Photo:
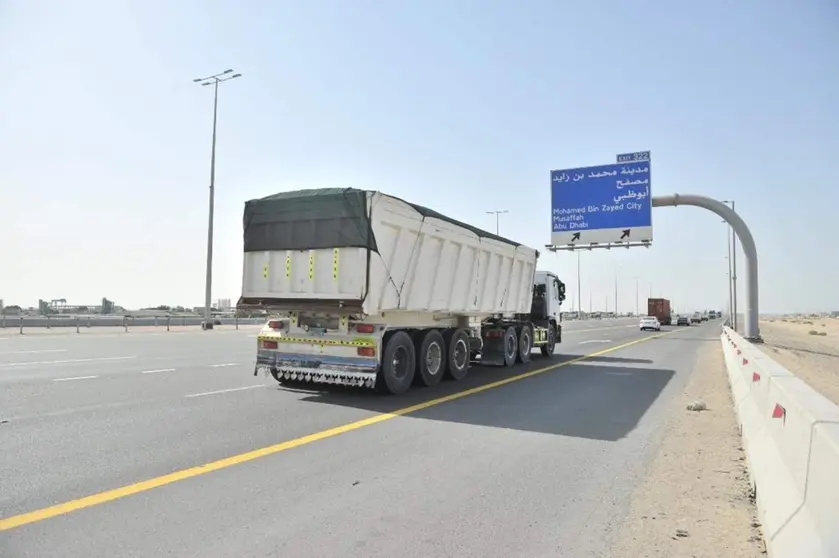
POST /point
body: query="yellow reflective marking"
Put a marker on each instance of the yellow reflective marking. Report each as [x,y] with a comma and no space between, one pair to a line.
[361,342]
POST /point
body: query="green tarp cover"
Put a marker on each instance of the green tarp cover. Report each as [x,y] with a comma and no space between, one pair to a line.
[321,218]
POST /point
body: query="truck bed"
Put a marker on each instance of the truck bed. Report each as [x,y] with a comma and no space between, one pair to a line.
[365,252]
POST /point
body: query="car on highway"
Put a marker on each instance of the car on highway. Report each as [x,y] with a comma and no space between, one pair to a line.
[682,320]
[650,322]
[696,318]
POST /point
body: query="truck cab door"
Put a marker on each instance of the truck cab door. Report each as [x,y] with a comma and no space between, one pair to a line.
[556,295]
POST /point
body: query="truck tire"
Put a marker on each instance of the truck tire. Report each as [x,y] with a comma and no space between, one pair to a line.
[431,359]
[548,348]
[399,363]
[511,346]
[457,354]
[525,344]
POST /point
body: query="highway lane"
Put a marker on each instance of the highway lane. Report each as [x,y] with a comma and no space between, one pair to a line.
[83,449]
[120,370]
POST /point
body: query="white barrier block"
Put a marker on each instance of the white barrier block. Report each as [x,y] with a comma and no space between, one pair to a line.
[793,457]
[823,483]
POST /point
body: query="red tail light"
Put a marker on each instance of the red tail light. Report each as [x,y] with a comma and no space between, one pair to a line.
[269,344]
[366,351]
[364,328]
[275,324]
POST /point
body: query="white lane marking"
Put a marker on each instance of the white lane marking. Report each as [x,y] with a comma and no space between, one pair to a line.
[75,378]
[34,352]
[223,365]
[30,363]
[594,341]
[157,371]
[224,391]
[619,373]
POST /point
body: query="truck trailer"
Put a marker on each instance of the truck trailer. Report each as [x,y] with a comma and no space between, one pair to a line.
[660,308]
[365,289]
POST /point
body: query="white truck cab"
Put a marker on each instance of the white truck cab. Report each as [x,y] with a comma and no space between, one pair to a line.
[548,285]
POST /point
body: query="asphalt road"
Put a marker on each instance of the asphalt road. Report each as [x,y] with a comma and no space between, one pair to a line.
[167,445]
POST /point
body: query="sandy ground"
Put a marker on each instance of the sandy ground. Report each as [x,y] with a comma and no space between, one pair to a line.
[696,500]
[813,358]
[10,332]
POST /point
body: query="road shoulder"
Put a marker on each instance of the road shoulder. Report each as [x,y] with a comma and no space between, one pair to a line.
[695,498]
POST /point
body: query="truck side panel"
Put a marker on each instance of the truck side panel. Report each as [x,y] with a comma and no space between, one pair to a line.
[427,264]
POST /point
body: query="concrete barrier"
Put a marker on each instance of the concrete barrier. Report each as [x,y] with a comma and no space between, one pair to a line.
[791,437]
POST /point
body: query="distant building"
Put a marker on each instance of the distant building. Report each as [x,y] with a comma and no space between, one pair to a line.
[223,304]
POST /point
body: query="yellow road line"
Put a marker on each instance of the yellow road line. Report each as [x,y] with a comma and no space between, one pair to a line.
[143,486]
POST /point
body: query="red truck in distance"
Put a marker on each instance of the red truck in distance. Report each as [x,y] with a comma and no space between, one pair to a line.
[660,308]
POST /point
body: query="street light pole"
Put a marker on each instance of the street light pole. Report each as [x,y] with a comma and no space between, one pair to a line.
[728,274]
[579,291]
[616,292]
[734,271]
[732,262]
[497,213]
[637,305]
[213,80]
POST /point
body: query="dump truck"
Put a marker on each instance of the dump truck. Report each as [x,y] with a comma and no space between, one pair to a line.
[660,308]
[368,290]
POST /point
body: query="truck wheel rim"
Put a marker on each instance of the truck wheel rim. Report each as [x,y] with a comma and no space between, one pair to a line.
[399,364]
[511,346]
[433,358]
[460,353]
[525,337]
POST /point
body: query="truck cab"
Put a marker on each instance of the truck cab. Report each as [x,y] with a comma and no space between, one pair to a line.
[548,295]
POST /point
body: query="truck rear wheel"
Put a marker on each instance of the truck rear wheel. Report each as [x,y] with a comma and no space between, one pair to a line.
[511,346]
[431,359]
[525,344]
[457,354]
[548,348]
[398,364]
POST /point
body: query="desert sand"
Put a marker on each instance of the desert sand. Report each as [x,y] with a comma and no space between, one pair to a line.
[807,347]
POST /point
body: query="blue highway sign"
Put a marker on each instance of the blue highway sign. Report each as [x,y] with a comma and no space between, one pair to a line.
[602,204]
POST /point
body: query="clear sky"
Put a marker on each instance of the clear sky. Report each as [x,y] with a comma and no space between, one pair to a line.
[463,106]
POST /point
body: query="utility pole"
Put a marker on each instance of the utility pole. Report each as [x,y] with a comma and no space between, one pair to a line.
[213,80]
[497,213]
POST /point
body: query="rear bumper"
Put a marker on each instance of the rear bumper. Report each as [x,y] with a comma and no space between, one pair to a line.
[325,369]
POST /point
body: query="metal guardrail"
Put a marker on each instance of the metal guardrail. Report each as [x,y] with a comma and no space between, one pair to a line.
[125,322]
